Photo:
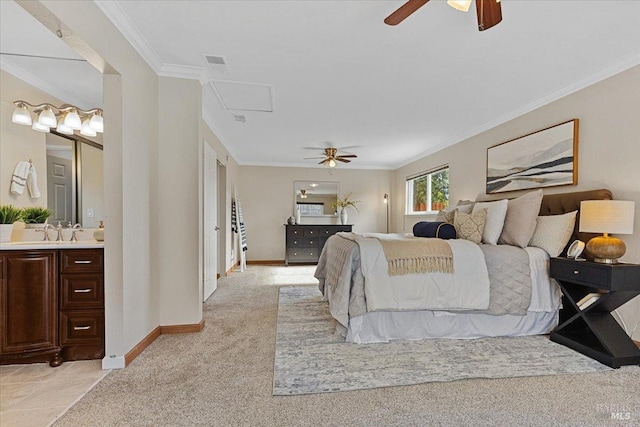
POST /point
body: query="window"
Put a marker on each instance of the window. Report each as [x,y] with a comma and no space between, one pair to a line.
[428,192]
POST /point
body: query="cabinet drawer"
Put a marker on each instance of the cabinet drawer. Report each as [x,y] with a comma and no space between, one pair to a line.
[302,243]
[581,273]
[81,291]
[302,254]
[311,231]
[81,261]
[81,327]
[295,231]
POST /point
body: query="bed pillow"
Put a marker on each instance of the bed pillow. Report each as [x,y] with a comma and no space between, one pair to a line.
[470,226]
[441,230]
[446,216]
[520,221]
[553,232]
[496,211]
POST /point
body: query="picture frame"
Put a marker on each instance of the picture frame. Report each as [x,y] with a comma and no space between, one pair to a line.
[545,158]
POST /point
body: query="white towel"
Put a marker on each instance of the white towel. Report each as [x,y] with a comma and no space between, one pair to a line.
[25,175]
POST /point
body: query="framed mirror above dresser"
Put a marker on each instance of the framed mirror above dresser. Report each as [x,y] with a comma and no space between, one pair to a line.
[316,198]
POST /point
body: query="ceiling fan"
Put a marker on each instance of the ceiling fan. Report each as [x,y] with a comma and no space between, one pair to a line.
[330,157]
[489,11]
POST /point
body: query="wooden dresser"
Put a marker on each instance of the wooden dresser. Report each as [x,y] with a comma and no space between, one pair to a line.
[304,243]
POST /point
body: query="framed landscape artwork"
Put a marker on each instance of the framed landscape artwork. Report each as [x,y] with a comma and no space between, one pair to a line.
[545,158]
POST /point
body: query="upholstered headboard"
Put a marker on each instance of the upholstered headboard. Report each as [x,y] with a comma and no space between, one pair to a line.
[556,204]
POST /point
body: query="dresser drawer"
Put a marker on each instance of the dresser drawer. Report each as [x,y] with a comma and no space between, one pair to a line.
[582,273]
[81,327]
[295,231]
[302,254]
[81,291]
[311,231]
[302,243]
[81,261]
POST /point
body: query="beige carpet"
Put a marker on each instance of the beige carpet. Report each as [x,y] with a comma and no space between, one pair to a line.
[223,376]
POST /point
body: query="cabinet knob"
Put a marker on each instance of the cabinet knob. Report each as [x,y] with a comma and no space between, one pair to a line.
[576,272]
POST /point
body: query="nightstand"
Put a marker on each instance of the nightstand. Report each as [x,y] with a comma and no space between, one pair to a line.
[591,291]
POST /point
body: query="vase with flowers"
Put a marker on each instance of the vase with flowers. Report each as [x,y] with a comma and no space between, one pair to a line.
[343,203]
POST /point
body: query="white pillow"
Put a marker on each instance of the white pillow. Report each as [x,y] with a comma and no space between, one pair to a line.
[553,232]
[496,212]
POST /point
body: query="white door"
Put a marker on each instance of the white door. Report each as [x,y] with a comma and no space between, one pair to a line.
[210,227]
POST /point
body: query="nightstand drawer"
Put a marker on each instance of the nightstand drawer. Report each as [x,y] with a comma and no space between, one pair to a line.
[581,272]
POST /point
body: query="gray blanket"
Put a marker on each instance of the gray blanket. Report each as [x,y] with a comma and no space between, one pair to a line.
[342,283]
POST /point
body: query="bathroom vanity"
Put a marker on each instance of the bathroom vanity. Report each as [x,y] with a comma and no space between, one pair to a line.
[51,302]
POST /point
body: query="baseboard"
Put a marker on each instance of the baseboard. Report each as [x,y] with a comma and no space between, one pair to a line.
[229,271]
[160,330]
[267,262]
[182,329]
[141,346]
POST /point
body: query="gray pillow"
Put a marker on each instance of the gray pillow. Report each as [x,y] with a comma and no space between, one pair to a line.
[520,221]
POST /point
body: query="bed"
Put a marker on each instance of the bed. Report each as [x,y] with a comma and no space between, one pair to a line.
[491,290]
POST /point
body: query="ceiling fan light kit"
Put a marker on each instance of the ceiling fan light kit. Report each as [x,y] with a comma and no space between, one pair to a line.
[331,155]
[64,119]
[489,11]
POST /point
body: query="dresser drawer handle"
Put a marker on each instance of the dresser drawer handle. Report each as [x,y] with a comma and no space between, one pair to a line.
[82,262]
[82,291]
[576,272]
[81,328]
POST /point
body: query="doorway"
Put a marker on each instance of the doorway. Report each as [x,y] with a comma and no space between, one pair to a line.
[210,214]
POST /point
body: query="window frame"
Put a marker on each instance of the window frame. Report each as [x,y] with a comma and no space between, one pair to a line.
[409,187]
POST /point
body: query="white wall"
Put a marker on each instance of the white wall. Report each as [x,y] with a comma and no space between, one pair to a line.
[608,153]
[267,198]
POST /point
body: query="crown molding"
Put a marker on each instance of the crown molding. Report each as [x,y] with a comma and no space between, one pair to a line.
[184,72]
[38,83]
[122,22]
[615,68]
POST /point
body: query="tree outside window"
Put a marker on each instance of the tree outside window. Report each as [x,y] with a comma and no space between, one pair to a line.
[428,192]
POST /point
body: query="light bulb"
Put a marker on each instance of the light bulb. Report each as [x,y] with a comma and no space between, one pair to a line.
[21,115]
[461,5]
[97,123]
[40,128]
[86,129]
[72,120]
[332,163]
[63,129]
[47,118]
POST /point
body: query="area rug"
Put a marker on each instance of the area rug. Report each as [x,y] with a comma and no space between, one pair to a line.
[311,358]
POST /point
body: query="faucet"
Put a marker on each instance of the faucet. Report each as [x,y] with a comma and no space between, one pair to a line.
[45,230]
[75,229]
[59,237]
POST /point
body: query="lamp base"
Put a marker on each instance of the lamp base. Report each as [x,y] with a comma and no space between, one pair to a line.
[605,249]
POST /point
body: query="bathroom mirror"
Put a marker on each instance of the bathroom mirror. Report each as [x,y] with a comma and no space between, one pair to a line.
[74,180]
[316,198]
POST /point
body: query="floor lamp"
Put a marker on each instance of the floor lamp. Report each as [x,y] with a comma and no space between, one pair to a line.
[386,202]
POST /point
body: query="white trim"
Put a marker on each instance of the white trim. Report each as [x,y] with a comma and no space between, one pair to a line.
[116,362]
[130,32]
[616,68]
[184,72]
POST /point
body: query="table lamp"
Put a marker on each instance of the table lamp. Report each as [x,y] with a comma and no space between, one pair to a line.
[606,216]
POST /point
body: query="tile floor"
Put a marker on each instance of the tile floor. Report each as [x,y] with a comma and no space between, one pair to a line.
[36,395]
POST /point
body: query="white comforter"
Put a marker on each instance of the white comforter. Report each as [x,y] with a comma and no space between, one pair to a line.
[466,289]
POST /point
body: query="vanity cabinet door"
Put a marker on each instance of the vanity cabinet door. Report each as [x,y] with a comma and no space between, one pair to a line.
[28,306]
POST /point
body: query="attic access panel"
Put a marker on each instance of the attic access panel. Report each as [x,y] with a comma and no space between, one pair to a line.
[243,96]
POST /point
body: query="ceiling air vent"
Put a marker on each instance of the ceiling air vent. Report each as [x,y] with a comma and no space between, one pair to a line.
[217,62]
[239,118]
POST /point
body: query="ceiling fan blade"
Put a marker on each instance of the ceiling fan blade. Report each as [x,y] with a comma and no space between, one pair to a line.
[489,13]
[343,156]
[340,159]
[324,161]
[314,158]
[404,11]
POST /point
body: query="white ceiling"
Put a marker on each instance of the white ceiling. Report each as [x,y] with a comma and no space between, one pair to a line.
[335,75]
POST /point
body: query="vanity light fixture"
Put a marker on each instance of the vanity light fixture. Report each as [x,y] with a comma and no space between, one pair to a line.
[65,119]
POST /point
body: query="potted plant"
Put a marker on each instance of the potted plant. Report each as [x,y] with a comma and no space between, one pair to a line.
[34,217]
[8,215]
[343,203]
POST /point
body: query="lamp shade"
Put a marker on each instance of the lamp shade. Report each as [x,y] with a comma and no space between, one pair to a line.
[63,129]
[21,115]
[607,216]
[461,5]
[97,123]
[40,128]
[47,118]
[72,120]
[86,129]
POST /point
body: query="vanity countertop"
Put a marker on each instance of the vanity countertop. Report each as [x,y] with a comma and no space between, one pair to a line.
[22,246]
